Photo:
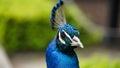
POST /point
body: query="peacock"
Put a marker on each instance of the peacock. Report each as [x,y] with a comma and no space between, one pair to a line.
[60,52]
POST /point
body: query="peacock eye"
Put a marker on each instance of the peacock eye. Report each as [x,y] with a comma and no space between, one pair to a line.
[63,35]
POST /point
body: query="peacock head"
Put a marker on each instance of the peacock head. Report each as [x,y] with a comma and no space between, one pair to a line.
[67,37]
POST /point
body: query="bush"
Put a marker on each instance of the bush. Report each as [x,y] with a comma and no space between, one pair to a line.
[27,35]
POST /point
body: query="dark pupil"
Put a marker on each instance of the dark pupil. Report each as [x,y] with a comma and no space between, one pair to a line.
[62,35]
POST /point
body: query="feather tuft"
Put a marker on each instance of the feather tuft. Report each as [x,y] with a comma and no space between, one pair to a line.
[57,15]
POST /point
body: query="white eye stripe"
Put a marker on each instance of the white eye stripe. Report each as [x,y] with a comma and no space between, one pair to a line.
[75,40]
[61,40]
[67,35]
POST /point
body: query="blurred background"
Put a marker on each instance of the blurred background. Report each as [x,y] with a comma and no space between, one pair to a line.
[25,32]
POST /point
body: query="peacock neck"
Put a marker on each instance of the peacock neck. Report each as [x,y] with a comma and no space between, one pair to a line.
[64,48]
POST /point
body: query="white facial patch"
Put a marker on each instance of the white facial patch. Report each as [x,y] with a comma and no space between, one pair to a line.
[61,40]
[67,35]
[75,40]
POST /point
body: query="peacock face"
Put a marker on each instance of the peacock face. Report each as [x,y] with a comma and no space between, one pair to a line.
[68,36]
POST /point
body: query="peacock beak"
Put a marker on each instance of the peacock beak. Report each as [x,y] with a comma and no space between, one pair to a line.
[76,42]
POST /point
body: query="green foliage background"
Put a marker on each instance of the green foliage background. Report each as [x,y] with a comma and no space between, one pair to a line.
[100,61]
[25,25]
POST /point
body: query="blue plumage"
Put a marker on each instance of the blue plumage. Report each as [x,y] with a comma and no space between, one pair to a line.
[57,59]
[60,52]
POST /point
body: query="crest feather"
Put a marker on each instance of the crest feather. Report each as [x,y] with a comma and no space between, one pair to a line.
[57,15]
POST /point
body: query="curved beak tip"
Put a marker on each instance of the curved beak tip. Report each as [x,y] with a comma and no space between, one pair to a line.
[81,45]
